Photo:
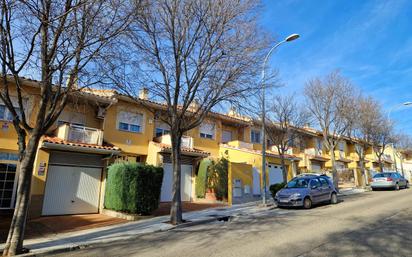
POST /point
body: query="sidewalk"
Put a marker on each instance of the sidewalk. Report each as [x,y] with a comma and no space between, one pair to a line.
[351,191]
[79,239]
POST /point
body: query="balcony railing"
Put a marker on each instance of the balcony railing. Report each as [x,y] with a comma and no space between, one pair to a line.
[313,151]
[80,134]
[387,157]
[240,144]
[187,142]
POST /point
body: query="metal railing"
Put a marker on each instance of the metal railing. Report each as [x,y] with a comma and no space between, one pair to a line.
[85,135]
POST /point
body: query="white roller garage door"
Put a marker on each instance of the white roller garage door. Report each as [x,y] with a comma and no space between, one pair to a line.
[275,174]
[72,190]
[185,183]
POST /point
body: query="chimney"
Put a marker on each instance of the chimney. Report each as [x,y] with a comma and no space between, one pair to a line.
[194,106]
[232,112]
[144,94]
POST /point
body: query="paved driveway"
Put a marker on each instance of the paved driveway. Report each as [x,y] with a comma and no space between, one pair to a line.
[369,224]
[45,226]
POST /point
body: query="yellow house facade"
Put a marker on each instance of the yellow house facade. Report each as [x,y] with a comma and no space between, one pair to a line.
[99,127]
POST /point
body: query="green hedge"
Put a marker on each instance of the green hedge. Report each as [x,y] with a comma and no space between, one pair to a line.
[201,178]
[275,188]
[133,188]
[217,177]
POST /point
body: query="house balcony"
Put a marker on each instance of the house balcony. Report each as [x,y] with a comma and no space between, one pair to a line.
[80,134]
[315,154]
[187,142]
[241,144]
[387,158]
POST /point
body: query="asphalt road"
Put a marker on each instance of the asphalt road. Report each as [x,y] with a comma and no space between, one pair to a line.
[368,224]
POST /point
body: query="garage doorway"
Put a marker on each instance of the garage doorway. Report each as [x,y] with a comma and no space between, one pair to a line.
[73,184]
[185,183]
[275,174]
[72,190]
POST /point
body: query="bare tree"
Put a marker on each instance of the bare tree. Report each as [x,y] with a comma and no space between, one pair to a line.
[382,137]
[367,114]
[403,142]
[192,55]
[330,101]
[285,120]
[57,43]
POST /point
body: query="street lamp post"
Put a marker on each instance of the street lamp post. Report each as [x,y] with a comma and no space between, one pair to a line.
[263,132]
[393,146]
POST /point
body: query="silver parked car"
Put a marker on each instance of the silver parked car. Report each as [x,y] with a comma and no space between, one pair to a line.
[307,190]
[389,180]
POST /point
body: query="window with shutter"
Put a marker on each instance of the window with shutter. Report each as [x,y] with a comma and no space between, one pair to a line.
[162,129]
[255,137]
[207,130]
[128,121]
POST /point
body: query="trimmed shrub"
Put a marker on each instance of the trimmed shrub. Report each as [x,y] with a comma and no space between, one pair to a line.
[133,188]
[217,177]
[275,188]
[201,178]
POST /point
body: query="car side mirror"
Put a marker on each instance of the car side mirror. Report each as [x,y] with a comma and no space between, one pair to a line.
[314,187]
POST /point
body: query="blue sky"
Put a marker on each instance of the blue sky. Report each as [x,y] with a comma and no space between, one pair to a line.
[370,42]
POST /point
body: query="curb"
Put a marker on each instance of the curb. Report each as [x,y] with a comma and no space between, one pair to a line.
[72,247]
[200,222]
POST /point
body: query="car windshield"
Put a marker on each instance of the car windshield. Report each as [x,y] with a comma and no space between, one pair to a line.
[298,183]
[382,175]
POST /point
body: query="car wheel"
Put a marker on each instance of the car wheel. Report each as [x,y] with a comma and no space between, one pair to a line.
[397,187]
[407,185]
[373,189]
[333,198]
[307,203]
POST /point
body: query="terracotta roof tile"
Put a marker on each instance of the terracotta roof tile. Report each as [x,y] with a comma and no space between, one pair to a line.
[184,149]
[268,152]
[59,141]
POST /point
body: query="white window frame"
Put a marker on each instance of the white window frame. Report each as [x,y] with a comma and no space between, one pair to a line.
[319,144]
[7,114]
[341,146]
[163,127]
[252,137]
[11,158]
[207,130]
[128,122]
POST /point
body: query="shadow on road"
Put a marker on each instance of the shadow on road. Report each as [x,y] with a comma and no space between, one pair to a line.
[387,237]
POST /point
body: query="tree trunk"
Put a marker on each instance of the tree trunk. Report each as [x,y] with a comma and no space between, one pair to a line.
[401,161]
[176,208]
[284,171]
[363,171]
[334,171]
[14,243]
[381,165]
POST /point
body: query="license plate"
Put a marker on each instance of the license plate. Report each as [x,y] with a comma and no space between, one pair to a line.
[283,200]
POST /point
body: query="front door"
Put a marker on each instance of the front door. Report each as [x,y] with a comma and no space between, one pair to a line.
[256,182]
[8,184]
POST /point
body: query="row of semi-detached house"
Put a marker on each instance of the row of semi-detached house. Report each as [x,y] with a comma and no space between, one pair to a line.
[99,127]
